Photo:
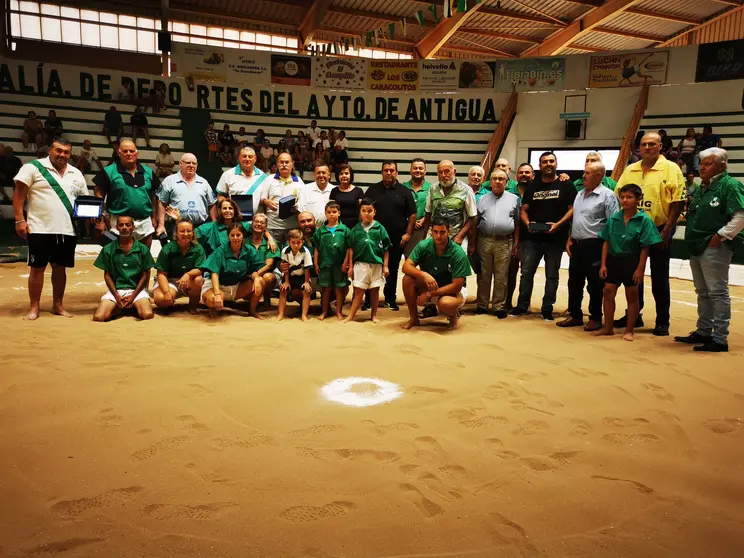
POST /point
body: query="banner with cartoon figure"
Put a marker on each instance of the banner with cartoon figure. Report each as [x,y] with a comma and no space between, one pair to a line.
[206,63]
[393,75]
[628,70]
[530,74]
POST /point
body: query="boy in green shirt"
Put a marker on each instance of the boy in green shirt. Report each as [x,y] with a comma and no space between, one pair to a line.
[370,244]
[627,236]
[331,259]
[126,265]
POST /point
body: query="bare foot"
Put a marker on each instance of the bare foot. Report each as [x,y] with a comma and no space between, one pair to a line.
[212,313]
[33,313]
[411,323]
[604,331]
[256,315]
[340,316]
[376,320]
[454,321]
[629,336]
[60,311]
[322,317]
[346,320]
[305,318]
[279,318]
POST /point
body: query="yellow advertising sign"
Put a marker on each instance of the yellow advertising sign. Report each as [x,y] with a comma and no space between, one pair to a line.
[393,75]
[628,70]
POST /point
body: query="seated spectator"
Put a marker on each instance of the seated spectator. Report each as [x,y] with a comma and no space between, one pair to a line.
[164,161]
[140,126]
[338,157]
[297,158]
[332,136]
[210,134]
[112,124]
[709,139]
[154,101]
[33,130]
[687,147]
[313,131]
[53,127]
[323,140]
[10,165]
[226,156]
[85,158]
[281,147]
[322,154]
[289,140]
[241,135]
[126,90]
[267,156]
[666,143]
[259,140]
[342,141]
[226,137]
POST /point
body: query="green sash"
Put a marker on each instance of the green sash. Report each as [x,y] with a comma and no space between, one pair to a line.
[55,186]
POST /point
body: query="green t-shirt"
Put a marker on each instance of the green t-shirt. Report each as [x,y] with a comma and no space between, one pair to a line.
[264,251]
[233,270]
[125,269]
[606,181]
[212,235]
[370,246]
[514,189]
[332,247]
[419,197]
[628,240]
[174,263]
[511,183]
[710,209]
[482,192]
[453,262]
[123,199]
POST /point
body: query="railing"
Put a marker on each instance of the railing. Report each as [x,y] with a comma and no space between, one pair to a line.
[635,122]
[499,134]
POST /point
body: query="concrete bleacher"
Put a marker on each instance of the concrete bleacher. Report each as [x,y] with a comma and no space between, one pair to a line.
[83,119]
[728,125]
[372,142]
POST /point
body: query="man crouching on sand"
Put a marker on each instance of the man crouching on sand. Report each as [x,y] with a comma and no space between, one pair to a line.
[440,279]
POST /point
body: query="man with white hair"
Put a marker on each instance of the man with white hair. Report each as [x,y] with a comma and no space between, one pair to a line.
[663,188]
[594,157]
[186,195]
[475,181]
[451,200]
[715,220]
[593,207]
[244,179]
[282,184]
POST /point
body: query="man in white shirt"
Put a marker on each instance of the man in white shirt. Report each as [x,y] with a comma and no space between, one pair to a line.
[315,196]
[313,132]
[244,179]
[323,139]
[51,186]
[283,183]
[85,157]
[186,195]
[342,141]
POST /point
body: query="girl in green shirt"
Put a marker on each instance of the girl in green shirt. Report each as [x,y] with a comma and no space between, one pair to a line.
[178,268]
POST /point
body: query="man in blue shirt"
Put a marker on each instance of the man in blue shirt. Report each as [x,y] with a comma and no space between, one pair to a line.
[187,195]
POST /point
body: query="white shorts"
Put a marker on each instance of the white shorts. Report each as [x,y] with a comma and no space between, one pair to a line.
[125,292]
[142,228]
[228,291]
[463,293]
[368,275]
[172,285]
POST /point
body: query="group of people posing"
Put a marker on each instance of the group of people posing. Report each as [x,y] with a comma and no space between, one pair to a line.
[337,236]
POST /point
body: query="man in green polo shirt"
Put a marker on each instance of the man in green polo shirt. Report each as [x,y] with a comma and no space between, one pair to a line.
[419,187]
[594,157]
[715,220]
[129,188]
[436,272]
[502,165]
[126,265]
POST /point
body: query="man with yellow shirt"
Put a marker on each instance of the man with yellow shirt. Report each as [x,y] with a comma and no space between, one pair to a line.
[663,188]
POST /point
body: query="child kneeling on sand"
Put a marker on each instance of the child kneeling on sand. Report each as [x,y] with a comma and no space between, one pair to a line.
[627,236]
[331,259]
[369,252]
[297,277]
[126,264]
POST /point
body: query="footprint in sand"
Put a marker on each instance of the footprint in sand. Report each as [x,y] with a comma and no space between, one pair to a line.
[107,417]
[452,471]
[382,429]
[58,547]
[580,427]
[631,439]
[469,418]
[532,427]
[340,454]
[587,372]
[408,349]
[614,422]
[428,508]
[199,512]
[306,514]
[198,391]
[510,534]
[73,508]
[189,422]
[316,430]
[722,425]
[631,483]
[659,392]
[247,443]
[162,445]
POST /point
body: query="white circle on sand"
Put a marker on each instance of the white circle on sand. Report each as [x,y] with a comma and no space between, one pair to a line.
[361,392]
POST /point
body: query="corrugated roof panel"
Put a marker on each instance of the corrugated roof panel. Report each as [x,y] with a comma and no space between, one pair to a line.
[480,41]
[645,25]
[729,28]
[393,7]
[559,9]
[611,42]
[697,9]
[513,27]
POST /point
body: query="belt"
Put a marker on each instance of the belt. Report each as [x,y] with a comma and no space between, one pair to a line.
[499,236]
[584,240]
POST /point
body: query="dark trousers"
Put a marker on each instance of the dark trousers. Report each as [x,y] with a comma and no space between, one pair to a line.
[586,259]
[511,281]
[530,254]
[659,257]
[391,283]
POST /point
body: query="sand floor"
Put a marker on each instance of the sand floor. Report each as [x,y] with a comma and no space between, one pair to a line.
[189,437]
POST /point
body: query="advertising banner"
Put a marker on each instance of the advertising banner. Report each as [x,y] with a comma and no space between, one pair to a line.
[438,75]
[339,73]
[205,63]
[393,75]
[291,70]
[530,74]
[476,75]
[720,61]
[628,70]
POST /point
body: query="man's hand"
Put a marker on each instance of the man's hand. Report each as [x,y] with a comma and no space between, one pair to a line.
[120,302]
[22,229]
[126,301]
[100,225]
[568,247]
[172,212]
[638,276]
[515,250]
[553,228]
[423,299]
[715,241]
[270,204]
[307,287]
[563,177]
[284,267]
[317,271]
[603,272]
[385,271]
[431,283]
[168,297]
[154,221]
[285,287]
[218,302]
[258,286]
[404,240]
[350,273]
[159,230]
[419,223]
[471,248]
[272,244]
[344,267]
[665,234]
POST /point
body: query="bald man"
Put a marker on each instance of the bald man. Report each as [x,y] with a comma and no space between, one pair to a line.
[502,165]
[129,189]
[186,195]
[663,188]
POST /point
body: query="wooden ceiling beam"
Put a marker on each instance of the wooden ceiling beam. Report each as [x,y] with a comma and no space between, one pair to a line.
[694,28]
[479,52]
[664,17]
[312,20]
[556,42]
[592,3]
[500,35]
[586,48]
[428,45]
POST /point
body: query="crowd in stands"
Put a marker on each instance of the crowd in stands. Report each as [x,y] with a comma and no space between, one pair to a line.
[687,151]
[307,147]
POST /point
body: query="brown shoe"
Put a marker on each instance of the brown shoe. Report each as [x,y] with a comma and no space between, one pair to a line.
[570,322]
[593,325]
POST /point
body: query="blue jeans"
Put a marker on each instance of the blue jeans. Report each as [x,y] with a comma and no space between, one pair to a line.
[530,253]
[710,273]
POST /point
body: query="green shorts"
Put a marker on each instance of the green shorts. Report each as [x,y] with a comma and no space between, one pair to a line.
[333,277]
